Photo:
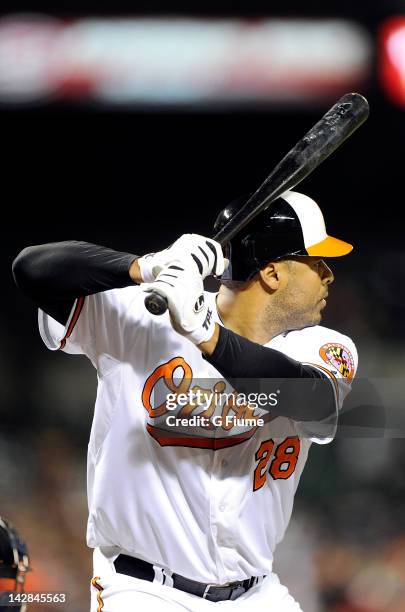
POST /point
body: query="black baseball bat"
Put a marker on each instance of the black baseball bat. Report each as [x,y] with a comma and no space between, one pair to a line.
[322,140]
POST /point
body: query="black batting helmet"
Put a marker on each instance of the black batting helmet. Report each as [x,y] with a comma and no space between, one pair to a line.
[293,225]
[14,563]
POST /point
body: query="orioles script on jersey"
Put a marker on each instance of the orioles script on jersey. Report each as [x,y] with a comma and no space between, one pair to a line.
[206,421]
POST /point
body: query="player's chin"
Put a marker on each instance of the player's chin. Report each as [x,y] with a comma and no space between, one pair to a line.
[316,317]
[320,308]
[319,311]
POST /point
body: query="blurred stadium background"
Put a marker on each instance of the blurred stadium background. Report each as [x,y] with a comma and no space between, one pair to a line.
[127,124]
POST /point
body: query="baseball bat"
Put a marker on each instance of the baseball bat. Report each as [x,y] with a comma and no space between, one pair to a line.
[345,116]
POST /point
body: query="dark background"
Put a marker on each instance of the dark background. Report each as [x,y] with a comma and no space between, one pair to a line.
[135,180]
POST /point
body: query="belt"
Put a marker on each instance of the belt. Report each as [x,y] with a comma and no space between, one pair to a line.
[137,568]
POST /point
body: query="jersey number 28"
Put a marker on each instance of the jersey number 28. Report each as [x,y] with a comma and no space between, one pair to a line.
[283,463]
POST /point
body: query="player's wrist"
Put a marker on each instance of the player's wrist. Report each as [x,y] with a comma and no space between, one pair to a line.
[146,265]
[203,333]
[207,347]
[135,272]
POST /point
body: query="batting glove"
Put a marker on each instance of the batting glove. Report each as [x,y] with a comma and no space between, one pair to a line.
[183,288]
[204,252]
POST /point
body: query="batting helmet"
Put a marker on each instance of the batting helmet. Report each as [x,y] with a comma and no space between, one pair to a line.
[14,563]
[293,225]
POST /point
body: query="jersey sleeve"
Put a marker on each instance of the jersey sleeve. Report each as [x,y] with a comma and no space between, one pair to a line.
[96,326]
[335,357]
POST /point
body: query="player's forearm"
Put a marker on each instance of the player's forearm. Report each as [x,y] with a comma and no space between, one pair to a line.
[66,270]
[304,393]
[239,357]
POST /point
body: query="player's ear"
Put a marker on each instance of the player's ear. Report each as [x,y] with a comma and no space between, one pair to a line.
[270,276]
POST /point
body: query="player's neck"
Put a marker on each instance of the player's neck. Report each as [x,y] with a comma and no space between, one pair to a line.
[243,310]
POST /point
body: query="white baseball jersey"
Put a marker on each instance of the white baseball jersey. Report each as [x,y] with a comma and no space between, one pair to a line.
[209,502]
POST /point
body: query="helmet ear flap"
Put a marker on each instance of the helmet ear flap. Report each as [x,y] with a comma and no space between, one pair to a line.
[243,261]
[249,247]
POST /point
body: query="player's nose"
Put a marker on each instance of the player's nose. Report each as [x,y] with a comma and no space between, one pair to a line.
[326,273]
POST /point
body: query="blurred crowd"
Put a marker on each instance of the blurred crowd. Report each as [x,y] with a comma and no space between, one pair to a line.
[44,495]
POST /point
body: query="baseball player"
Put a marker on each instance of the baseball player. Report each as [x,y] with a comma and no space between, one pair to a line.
[14,564]
[191,478]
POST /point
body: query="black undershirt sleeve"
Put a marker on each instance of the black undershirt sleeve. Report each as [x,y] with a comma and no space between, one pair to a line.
[55,274]
[305,393]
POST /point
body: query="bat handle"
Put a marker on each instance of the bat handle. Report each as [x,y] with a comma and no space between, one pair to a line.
[155,303]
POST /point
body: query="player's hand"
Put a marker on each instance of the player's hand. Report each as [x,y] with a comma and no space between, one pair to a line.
[183,288]
[202,252]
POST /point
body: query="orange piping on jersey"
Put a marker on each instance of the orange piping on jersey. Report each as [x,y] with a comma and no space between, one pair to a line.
[100,590]
[73,321]
[331,376]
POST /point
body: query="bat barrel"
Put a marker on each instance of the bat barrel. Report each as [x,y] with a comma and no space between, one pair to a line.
[346,116]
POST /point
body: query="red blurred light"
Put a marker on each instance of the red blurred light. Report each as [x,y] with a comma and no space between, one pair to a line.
[392,59]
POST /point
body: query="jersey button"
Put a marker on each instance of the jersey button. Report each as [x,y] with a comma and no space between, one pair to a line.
[222,507]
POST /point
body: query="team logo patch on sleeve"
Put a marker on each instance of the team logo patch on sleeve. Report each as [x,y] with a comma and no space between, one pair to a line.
[339,357]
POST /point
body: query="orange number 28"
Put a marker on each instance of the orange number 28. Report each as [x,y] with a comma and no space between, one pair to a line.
[283,464]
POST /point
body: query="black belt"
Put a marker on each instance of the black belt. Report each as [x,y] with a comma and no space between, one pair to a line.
[144,570]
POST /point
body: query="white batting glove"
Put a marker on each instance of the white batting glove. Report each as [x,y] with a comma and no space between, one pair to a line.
[183,288]
[204,252]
